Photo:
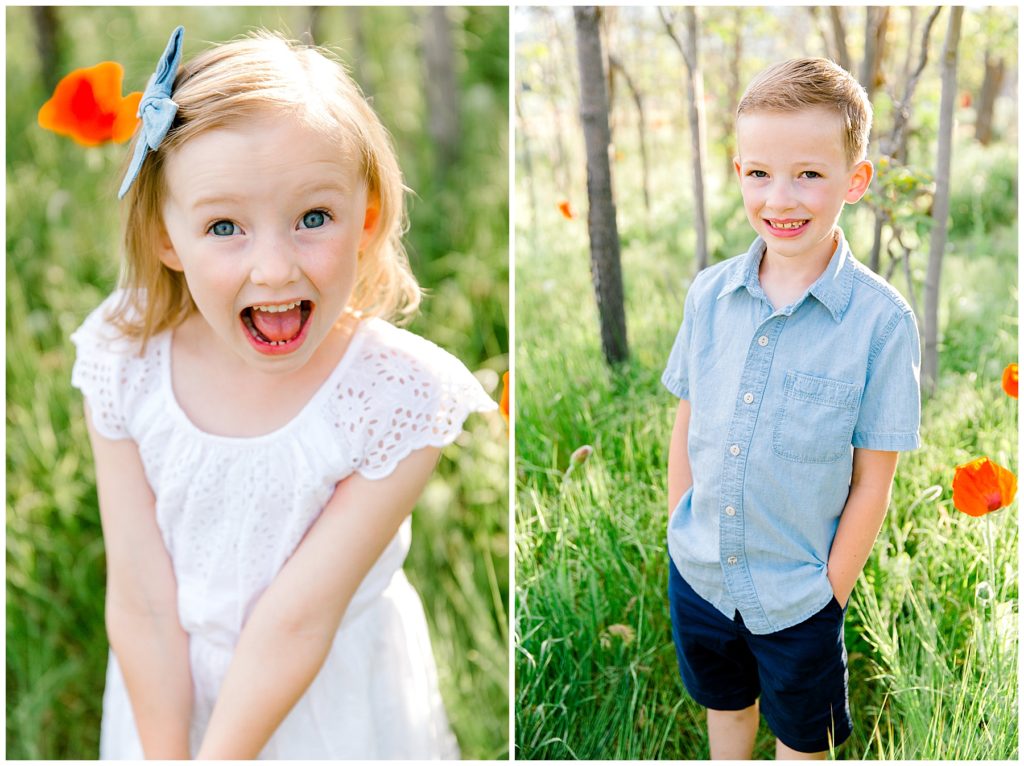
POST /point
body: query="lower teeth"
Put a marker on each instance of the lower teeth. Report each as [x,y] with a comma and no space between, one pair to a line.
[254,331]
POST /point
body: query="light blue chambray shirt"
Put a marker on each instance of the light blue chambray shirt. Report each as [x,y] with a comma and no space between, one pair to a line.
[779,399]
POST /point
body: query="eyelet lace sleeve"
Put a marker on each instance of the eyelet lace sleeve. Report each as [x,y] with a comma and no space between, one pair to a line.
[108,371]
[403,393]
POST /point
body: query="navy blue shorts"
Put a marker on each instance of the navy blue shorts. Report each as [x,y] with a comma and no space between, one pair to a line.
[799,673]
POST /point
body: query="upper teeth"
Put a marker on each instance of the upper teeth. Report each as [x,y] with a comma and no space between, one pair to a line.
[792,225]
[277,308]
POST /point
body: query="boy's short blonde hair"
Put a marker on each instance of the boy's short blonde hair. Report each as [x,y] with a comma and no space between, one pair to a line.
[229,85]
[799,84]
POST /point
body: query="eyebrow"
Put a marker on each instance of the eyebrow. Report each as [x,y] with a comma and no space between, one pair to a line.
[227,199]
[798,163]
[215,199]
[212,200]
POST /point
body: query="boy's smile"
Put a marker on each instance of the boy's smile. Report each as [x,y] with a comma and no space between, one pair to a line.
[266,220]
[795,179]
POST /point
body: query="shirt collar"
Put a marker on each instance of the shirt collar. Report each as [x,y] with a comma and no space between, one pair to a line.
[832,288]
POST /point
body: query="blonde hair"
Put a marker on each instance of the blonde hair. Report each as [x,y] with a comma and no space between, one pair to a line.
[798,84]
[225,86]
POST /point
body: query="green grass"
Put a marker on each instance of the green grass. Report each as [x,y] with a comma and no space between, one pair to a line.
[933,665]
[62,261]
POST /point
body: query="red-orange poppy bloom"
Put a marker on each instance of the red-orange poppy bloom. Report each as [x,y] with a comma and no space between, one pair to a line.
[504,397]
[87,106]
[1010,380]
[981,486]
[566,209]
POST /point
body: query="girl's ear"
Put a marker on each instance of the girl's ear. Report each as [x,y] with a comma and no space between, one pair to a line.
[168,255]
[370,219]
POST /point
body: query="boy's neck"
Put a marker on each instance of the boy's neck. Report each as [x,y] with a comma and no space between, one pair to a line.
[786,279]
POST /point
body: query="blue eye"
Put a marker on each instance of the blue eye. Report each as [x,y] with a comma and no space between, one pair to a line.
[314,219]
[222,228]
[812,174]
[757,174]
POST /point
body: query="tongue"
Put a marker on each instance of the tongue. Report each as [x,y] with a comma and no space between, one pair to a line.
[281,325]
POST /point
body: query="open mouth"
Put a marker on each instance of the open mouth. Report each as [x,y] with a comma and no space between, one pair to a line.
[786,227]
[276,327]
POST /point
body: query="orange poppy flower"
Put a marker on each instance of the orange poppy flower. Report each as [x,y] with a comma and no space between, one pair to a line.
[504,397]
[566,209]
[1010,380]
[87,106]
[981,486]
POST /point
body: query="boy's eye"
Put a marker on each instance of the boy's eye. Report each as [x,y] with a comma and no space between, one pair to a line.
[757,174]
[222,228]
[812,174]
[314,219]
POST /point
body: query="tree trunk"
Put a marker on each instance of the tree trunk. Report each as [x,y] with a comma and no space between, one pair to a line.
[908,53]
[606,30]
[735,88]
[605,268]
[638,100]
[875,261]
[356,48]
[995,69]
[895,144]
[44,18]
[816,21]
[523,138]
[311,32]
[695,110]
[876,20]
[896,147]
[554,78]
[442,86]
[839,33]
[940,206]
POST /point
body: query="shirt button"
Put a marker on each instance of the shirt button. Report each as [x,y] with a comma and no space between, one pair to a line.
[763,340]
[730,511]
[748,397]
[732,559]
[734,450]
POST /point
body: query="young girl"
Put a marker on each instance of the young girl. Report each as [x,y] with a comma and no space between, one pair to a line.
[260,432]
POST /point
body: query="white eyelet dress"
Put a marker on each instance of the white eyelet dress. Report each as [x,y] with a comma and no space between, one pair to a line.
[232,510]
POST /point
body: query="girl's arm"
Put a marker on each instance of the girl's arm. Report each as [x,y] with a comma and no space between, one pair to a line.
[862,517]
[287,637]
[142,601]
[680,477]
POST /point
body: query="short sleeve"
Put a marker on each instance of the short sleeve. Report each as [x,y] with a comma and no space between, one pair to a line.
[97,371]
[407,394]
[676,377]
[110,370]
[890,410]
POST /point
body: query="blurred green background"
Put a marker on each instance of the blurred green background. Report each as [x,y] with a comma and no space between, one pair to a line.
[62,260]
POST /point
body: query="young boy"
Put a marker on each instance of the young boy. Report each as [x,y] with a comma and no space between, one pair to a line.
[797,373]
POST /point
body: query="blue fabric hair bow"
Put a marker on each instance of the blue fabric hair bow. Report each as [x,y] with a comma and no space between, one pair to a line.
[156,108]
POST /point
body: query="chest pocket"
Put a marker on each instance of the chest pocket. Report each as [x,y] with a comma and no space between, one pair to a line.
[815,421]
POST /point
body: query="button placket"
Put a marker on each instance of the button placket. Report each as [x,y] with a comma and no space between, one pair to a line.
[753,380]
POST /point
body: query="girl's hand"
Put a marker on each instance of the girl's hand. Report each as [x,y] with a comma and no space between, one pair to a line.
[290,631]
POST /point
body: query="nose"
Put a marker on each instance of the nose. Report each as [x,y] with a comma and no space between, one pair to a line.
[274,263]
[780,195]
